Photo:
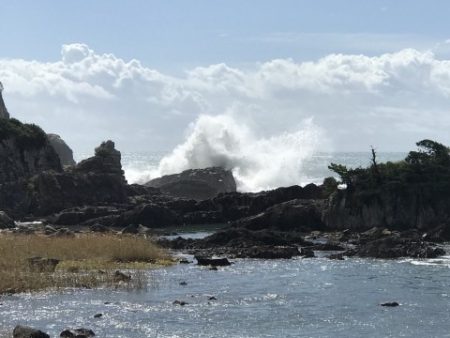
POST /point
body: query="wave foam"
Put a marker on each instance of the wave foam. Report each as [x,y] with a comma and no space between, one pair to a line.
[258,163]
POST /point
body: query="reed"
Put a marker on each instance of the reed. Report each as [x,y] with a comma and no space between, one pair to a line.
[86,260]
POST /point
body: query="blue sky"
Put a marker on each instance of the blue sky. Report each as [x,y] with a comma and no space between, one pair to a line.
[153,74]
[177,35]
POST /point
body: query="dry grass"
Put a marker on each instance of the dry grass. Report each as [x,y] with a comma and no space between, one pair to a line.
[87,260]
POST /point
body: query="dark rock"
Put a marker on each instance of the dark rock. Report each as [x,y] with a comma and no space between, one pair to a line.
[77,333]
[395,247]
[295,215]
[6,222]
[121,277]
[180,302]
[212,261]
[183,283]
[337,256]
[268,252]
[390,304]
[97,227]
[134,229]
[28,332]
[329,246]
[62,149]
[307,253]
[41,264]
[198,184]
[149,215]
[184,261]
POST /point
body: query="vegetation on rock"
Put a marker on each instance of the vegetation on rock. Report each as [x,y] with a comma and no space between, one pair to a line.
[26,135]
[430,164]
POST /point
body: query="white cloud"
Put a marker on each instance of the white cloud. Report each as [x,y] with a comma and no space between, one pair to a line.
[388,101]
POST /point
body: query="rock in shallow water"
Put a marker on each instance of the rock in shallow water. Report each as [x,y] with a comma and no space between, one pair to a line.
[28,332]
[77,333]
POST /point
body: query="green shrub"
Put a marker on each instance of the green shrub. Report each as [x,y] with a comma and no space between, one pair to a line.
[27,136]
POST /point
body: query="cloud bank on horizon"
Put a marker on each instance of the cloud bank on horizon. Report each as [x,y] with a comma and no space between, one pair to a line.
[388,101]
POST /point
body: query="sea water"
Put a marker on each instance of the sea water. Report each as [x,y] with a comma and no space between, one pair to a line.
[314,297]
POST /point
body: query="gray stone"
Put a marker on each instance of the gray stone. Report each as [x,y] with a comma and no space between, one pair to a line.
[62,149]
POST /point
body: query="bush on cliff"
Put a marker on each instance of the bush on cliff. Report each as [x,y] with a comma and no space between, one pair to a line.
[429,165]
[26,135]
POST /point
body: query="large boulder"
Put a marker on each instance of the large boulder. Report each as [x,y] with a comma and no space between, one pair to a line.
[198,184]
[62,149]
[28,332]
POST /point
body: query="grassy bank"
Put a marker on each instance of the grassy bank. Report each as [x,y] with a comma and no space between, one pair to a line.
[87,260]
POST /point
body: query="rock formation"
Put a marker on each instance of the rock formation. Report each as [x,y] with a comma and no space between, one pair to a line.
[62,149]
[3,111]
[198,184]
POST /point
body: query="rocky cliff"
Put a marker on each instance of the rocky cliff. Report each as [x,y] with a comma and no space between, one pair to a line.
[414,193]
[3,111]
[62,149]
[24,151]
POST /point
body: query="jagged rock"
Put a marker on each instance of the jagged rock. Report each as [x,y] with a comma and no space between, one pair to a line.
[28,332]
[3,111]
[198,184]
[107,160]
[6,222]
[62,149]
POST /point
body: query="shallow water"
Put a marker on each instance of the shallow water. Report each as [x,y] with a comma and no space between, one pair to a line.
[255,298]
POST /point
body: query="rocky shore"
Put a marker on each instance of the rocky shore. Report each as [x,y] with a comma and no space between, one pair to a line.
[386,211]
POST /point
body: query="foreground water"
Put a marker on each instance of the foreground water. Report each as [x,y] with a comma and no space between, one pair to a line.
[255,298]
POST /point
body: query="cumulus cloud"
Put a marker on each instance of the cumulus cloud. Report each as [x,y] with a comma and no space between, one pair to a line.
[388,101]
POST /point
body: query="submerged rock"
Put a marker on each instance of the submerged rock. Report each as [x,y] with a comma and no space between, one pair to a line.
[198,184]
[390,304]
[28,332]
[212,261]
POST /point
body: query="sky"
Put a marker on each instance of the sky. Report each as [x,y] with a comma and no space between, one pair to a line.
[147,73]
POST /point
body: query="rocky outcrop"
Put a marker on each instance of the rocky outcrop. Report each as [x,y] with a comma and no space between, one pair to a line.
[3,111]
[20,162]
[97,180]
[295,215]
[62,149]
[399,207]
[198,184]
